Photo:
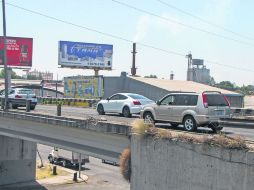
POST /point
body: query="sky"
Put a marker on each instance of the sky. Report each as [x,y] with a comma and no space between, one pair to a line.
[228,55]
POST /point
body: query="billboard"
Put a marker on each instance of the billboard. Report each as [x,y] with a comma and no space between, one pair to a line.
[85,55]
[18,51]
[83,87]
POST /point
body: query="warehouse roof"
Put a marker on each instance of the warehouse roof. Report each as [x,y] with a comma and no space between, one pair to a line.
[182,86]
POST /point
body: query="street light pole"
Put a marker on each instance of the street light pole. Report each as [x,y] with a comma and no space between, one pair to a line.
[5,59]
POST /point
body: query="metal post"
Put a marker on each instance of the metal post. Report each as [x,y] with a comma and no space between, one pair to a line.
[96,72]
[2,103]
[56,89]
[75,177]
[56,84]
[59,111]
[79,166]
[28,105]
[5,58]
[54,170]
[42,87]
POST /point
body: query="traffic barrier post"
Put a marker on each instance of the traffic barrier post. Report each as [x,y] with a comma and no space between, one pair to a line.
[28,105]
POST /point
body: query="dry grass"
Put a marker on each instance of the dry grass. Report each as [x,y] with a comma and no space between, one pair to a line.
[221,140]
[46,172]
[227,142]
[140,127]
[125,164]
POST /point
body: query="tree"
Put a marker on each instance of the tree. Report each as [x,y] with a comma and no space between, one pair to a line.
[13,75]
[227,85]
[211,82]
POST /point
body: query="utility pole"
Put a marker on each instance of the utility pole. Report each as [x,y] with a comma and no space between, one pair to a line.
[189,57]
[133,69]
[5,59]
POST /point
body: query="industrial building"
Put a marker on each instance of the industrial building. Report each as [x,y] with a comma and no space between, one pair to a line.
[157,88]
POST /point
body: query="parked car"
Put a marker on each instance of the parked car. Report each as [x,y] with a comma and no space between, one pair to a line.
[123,103]
[16,94]
[190,109]
[66,158]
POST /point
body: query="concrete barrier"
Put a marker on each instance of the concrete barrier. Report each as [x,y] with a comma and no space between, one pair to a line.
[236,112]
[165,164]
[104,140]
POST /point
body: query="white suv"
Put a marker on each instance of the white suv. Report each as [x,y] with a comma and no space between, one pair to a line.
[190,109]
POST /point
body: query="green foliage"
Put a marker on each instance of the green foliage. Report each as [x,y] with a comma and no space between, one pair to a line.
[227,85]
[13,75]
[33,77]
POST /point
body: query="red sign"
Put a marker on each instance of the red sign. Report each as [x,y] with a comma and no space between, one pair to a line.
[19,51]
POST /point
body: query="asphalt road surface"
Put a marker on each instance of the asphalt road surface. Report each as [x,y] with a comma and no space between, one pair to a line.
[248,134]
[101,176]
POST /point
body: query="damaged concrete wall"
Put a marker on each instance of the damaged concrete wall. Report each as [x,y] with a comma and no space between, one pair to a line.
[17,160]
[159,164]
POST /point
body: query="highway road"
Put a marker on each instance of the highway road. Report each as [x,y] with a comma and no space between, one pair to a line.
[67,111]
[100,176]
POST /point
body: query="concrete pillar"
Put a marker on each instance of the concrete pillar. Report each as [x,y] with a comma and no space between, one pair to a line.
[17,160]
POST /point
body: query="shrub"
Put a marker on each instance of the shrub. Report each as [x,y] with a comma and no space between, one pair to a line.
[125,164]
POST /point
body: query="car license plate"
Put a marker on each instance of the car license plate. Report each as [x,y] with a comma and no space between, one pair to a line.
[220,113]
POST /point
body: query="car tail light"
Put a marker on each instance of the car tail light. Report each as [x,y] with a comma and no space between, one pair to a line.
[204,100]
[136,102]
[18,96]
[226,100]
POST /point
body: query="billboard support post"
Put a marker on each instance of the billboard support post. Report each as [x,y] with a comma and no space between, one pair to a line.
[5,58]
[96,72]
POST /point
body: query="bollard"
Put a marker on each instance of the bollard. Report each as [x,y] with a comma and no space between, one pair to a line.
[59,109]
[75,176]
[54,170]
[2,103]
[28,105]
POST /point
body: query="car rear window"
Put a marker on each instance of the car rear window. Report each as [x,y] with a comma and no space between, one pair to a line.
[25,91]
[138,97]
[216,100]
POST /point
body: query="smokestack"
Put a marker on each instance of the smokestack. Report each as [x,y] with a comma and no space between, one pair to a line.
[134,69]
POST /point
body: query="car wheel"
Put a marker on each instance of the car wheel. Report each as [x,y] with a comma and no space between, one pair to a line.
[14,106]
[64,163]
[32,107]
[189,123]
[126,111]
[148,117]
[215,127]
[51,160]
[100,109]
[10,105]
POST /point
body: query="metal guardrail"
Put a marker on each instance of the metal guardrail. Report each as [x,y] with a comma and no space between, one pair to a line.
[68,101]
[237,122]
[236,112]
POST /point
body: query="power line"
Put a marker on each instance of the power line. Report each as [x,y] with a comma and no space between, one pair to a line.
[94,30]
[203,20]
[117,37]
[182,24]
[230,66]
